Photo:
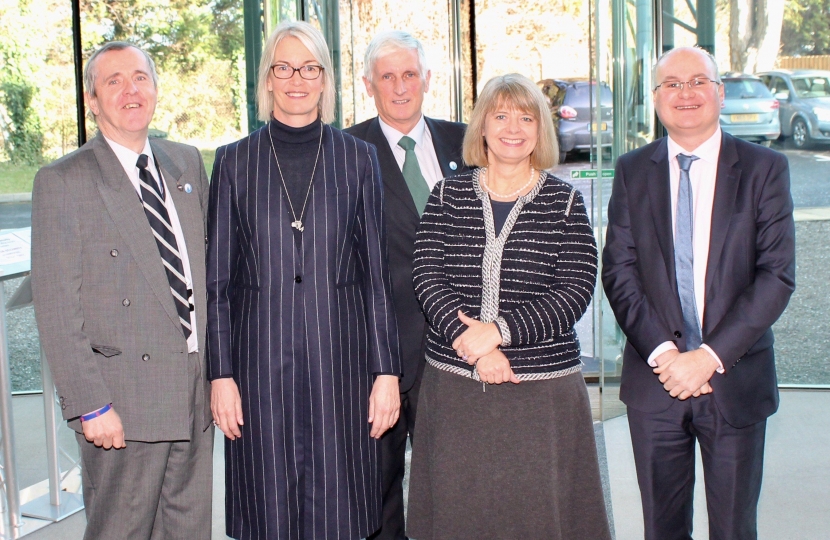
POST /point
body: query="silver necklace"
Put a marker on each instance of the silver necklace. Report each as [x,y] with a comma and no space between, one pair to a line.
[506,195]
[298,222]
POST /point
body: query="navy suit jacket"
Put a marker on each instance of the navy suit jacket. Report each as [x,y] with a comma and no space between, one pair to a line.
[402,219]
[750,274]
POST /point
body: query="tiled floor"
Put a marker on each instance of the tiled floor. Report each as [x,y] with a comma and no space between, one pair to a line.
[795,501]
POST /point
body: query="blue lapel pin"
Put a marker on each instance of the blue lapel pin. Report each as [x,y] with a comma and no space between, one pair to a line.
[453,165]
[188,188]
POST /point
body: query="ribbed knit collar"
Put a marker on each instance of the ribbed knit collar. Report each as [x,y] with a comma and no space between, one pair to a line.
[285,134]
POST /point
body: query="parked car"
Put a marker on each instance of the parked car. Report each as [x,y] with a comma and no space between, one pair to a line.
[804,99]
[572,104]
[749,110]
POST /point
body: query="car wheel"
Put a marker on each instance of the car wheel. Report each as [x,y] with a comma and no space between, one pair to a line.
[801,134]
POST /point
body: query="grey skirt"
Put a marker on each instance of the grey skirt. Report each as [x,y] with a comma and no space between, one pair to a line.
[514,461]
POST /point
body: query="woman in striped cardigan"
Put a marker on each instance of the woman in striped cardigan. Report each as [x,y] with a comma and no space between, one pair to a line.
[505,265]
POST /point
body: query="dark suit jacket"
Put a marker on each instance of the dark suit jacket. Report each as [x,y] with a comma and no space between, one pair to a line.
[749,277]
[401,219]
[107,320]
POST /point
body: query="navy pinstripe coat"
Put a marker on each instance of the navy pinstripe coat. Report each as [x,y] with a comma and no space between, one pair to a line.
[302,332]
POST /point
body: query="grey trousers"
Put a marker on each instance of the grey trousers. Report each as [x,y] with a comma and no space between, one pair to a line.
[150,491]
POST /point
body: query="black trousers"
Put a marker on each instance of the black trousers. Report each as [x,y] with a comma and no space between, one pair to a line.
[393,467]
[733,463]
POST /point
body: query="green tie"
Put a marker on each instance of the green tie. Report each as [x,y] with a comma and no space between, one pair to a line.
[412,174]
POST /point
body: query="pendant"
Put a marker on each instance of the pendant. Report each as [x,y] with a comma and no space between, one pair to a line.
[297,225]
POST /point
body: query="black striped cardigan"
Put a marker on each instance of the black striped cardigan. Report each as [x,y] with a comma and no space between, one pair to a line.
[535,280]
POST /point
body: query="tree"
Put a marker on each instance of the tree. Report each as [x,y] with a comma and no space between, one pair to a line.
[23,138]
[806,29]
[754,34]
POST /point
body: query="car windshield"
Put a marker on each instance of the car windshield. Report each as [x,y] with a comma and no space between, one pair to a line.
[581,95]
[810,87]
[745,89]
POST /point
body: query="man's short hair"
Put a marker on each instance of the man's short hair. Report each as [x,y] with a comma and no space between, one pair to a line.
[313,40]
[89,69]
[393,41]
[512,91]
[712,61]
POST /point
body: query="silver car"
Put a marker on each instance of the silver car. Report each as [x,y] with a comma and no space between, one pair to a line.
[804,98]
[749,110]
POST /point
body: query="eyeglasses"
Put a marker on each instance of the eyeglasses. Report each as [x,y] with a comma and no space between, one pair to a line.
[698,83]
[308,72]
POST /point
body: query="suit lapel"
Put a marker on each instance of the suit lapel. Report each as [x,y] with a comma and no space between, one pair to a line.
[443,145]
[723,207]
[393,181]
[659,194]
[125,208]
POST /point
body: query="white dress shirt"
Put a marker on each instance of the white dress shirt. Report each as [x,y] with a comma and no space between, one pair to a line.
[128,160]
[424,149]
[703,175]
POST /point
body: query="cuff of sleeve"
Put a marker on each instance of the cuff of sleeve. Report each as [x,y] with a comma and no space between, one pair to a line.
[663,347]
[504,330]
[708,349]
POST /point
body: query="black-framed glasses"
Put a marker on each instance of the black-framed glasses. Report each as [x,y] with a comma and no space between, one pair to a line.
[698,83]
[308,72]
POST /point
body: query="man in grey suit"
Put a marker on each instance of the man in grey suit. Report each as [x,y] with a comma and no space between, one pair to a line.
[415,152]
[118,279]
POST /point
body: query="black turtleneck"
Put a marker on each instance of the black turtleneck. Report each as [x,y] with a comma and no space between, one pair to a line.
[296,150]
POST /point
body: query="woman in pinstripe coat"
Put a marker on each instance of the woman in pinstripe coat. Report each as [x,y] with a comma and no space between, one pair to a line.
[302,341]
[505,264]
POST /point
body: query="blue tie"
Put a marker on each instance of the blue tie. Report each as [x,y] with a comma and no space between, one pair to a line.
[684,254]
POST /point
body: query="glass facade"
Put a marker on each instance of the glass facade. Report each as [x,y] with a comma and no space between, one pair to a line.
[205,100]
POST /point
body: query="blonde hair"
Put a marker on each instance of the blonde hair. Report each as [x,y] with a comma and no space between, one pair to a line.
[313,40]
[511,91]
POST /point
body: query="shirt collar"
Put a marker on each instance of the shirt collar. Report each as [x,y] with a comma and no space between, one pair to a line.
[708,151]
[394,136]
[128,158]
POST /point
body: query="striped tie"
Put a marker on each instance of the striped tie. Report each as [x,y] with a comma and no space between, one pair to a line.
[152,196]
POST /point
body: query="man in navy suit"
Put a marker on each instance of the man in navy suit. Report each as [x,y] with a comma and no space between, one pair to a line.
[397,77]
[699,263]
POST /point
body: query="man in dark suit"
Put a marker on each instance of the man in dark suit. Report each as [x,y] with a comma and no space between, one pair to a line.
[118,280]
[397,77]
[699,263]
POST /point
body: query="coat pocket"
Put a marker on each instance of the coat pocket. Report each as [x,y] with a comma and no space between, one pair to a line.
[106,351]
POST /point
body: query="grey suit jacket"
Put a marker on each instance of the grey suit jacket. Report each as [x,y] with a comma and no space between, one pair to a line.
[103,305]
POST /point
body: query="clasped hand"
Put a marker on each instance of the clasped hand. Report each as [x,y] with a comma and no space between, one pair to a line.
[478,346]
[479,339]
[687,374]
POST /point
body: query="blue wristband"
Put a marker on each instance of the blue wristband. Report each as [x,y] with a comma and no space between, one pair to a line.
[96,414]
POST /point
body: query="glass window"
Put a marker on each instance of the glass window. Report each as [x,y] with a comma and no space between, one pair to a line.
[38,124]
[745,89]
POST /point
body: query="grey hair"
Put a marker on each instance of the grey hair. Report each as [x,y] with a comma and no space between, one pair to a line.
[713,63]
[89,69]
[393,41]
[313,40]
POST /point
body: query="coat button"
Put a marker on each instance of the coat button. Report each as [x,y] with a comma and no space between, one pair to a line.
[677,334]
[125,302]
[114,252]
[145,357]
[298,279]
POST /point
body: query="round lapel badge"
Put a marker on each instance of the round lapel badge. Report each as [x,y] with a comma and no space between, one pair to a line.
[453,165]
[188,188]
